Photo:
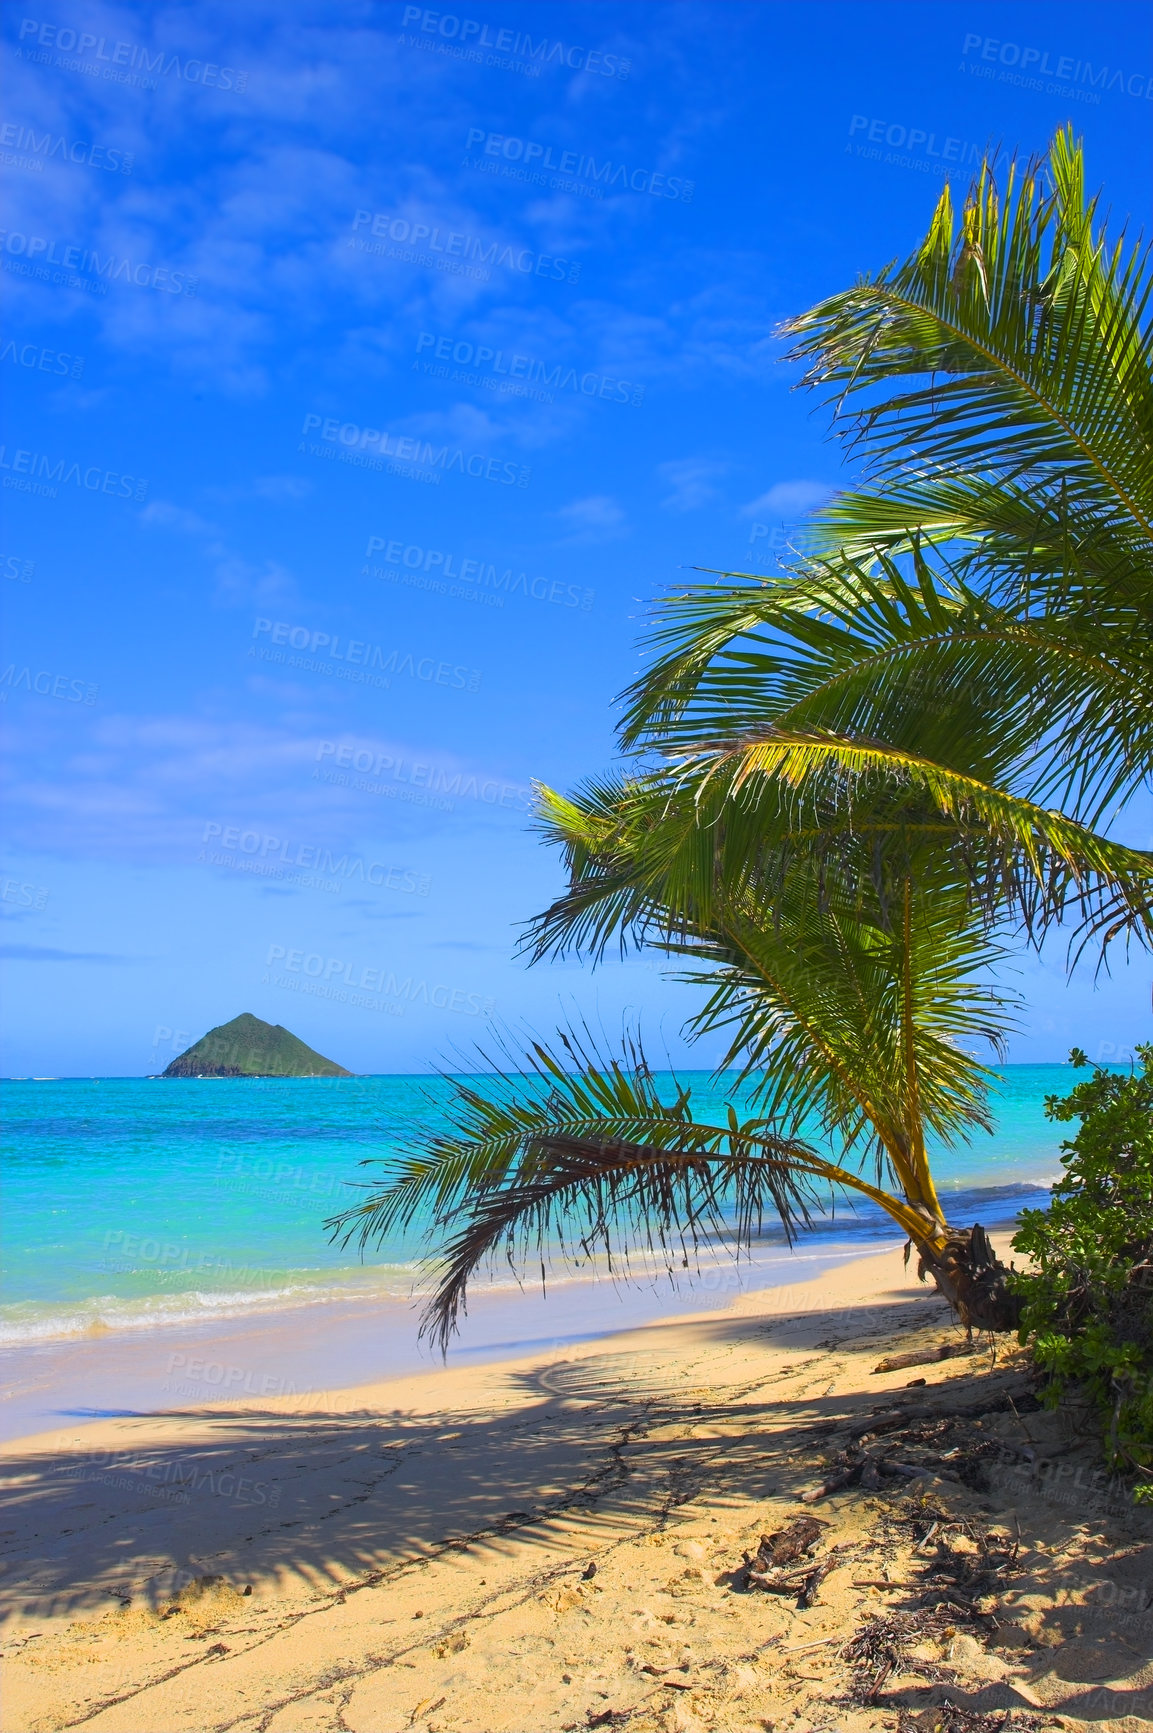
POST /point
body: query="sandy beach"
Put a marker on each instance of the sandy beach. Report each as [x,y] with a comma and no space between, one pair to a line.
[563,1541]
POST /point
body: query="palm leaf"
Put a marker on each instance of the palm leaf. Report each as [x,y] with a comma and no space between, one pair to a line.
[565,1166]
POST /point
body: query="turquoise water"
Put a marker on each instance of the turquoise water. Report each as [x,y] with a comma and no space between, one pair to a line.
[134,1202]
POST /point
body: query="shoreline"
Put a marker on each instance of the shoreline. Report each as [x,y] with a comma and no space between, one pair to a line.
[555,1540]
[312,1349]
[193,1289]
[311,1345]
[832,1295]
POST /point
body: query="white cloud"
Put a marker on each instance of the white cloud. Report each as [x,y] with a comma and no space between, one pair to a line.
[693,481]
[165,515]
[597,518]
[143,788]
[281,488]
[238,581]
[789,499]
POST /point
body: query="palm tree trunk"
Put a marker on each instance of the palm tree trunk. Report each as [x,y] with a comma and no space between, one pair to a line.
[965,1268]
[969,1274]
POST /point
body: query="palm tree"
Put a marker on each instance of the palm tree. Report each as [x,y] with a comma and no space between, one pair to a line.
[844,1016]
[837,806]
[997,391]
[849,963]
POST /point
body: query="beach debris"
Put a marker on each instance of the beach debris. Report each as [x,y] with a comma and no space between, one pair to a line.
[949,1717]
[925,1356]
[589,1571]
[808,1590]
[867,1472]
[426,1707]
[889,1420]
[974,1563]
[922,1440]
[882,1646]
[834,1483]
[801,1536]
[784,1564]
[451,1645]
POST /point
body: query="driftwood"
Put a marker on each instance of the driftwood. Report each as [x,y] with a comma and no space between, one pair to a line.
[866,1473]
[914,1426]
[925,1356]
[835,1483]
[813,1582]
[890,1420]
[800,1537]
[791,1547]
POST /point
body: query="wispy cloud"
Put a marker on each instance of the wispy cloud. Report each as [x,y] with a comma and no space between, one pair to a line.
[597,518]
[162,514]
[238,581]
[693,481]
[789,499]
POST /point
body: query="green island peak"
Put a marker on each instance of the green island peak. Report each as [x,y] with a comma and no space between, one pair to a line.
[249,1047]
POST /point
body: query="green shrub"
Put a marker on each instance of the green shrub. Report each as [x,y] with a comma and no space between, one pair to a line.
[1088,1301]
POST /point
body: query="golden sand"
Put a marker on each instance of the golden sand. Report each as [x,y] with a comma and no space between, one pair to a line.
[562,1542]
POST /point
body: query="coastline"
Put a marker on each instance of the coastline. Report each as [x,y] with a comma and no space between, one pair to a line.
[190,1202]
[532,1542]
[317,1346]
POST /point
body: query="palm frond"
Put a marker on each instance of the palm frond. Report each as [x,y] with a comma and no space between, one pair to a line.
[569,1165]
[652,857]
[842,777]
[1020,341]
[1050,706]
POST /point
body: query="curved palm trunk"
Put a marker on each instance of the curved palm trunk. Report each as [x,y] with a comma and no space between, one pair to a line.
[962,1262]
[965,1269]
[969,1274]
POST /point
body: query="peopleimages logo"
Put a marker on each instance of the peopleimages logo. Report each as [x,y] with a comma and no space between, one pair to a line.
[510,368]
[471,34]
[128,62]
[437,565]
[17,568]
[912,138]
[461,251]
[606,174]
[353,984]
[367,447]
[421,784]
[274,852]
[362,655]
[46,684]
[42,360]
[1030,66]
[25,896]
[37,252]
[25,467]
[51,146]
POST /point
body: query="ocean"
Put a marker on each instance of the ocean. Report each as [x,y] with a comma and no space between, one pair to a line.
[138,1204]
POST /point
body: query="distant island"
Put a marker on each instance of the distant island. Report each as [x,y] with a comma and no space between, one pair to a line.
[248,1047]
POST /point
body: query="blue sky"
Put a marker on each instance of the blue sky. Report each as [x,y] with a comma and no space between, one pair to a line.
[374,409]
